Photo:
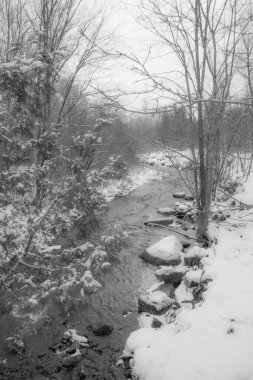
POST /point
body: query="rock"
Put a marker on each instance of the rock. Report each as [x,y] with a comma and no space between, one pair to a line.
[189,215]
[179,195]
[68,255]
[185,207]
[155,303]
[85,247]
[219,216]
[72,361]
[182,210]
[204,262]
[53,250]
[189,197]
[167,211]
[165,252]
[102,330]
[193,277]
[5,308]
[71,349]
[170,274]
[183,293]
[156,323]
[163,222]
[180,214]
[125,313]
[194,255]
[54,347]
[15,344]
[185,243]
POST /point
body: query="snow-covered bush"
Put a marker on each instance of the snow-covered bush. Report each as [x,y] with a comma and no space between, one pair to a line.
[115,169]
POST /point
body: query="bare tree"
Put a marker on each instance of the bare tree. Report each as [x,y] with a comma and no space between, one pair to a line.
[203,36]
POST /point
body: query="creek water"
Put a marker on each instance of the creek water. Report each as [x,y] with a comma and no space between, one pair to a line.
[126,279]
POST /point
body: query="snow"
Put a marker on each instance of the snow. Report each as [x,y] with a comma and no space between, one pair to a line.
[214,340]
[157,299]
[52,249]
[84,247]
[183,293]
[193,276]
[167,158]
[76,337]
[246,196]
[89,282]
[167,270]
[136,177]
[166,248]
[166,211]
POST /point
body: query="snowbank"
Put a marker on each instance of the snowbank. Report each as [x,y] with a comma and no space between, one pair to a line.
[136,177]
[215,340]
[165,158]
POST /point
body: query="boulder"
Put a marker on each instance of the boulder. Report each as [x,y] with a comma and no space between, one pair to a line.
[170,274]
[183,293]
[189,197]
[52,250]
[166,251]
[155,303]
[180,214]
[179,195]
[167,211]
[194,255]
[183,207]
[193,277]
[219,216]
[102,329]
[163,222]
[185,243]
[156,323]
[72,361]
[71,349]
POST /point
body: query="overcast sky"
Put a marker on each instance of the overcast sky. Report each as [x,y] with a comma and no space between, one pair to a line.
[131,37]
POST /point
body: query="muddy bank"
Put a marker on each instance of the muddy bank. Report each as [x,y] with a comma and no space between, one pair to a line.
[114,304]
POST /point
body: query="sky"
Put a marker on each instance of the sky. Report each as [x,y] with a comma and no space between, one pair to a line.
[131,38]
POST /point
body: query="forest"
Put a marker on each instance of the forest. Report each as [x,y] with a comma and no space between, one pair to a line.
[77,145]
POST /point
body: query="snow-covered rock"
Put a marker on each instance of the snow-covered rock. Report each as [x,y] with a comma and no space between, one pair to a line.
[53,250]
[156,303]
[162,222]
[167,211]
[194,255]
[84,247]
[189,197]
[179,195]
[170,274]
[166,251]
[193,277]
[183,208]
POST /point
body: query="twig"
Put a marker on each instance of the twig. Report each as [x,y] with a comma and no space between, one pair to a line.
[177,232]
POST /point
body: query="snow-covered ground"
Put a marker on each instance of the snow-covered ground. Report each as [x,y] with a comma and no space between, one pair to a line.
[213,341]
[137,176]
[169,157]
